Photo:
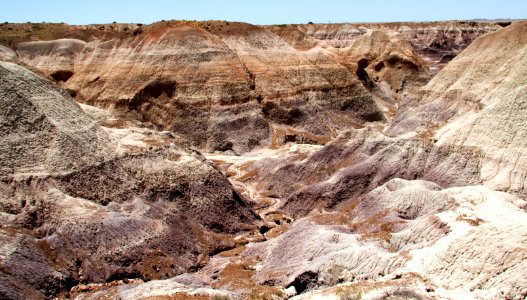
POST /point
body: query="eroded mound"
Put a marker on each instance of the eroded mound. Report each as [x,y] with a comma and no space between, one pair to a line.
[81,204]
[43,130]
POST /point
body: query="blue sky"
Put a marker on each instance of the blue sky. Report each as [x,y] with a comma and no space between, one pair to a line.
[257,12]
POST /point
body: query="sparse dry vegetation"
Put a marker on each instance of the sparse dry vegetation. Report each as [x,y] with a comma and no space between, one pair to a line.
[13,33]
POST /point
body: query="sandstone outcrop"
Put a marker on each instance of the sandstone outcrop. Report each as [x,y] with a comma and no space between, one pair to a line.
[382,230]
[279,83]
[309,91]
[383,59]
[54,58]
[441,42]
[387,65]
[82,203]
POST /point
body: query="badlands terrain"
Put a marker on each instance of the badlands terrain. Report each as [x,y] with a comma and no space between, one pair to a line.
[222,160]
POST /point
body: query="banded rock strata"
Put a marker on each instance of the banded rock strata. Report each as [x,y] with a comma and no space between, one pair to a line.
[415,191]
[82,203]
[436,42]
[185,77]
[381,228]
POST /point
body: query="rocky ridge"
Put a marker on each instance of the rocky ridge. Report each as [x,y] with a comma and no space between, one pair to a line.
[200,77]
[436,42]
[184,77]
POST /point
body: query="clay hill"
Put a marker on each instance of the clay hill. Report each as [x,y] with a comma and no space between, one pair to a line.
[187,77]
[223,160]
[83,203]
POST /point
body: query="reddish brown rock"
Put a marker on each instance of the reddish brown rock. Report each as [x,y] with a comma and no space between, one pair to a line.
[211,87]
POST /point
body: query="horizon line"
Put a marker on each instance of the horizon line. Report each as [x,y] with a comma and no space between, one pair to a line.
[479,20]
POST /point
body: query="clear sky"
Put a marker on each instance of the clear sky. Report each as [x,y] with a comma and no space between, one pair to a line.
[257,11]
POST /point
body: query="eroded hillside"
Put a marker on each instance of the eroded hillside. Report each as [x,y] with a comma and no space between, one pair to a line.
[187,76]
[339,161]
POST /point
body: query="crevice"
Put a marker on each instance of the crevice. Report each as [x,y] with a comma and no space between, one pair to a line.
[305,282]
[362,74]
[379,66]
[153,90]
[61,75]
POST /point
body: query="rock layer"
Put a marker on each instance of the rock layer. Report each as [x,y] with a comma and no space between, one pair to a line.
[81,203]
[187,79]
[436,42]
[382,228]
[309,81]
[441,135]
[478,102]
